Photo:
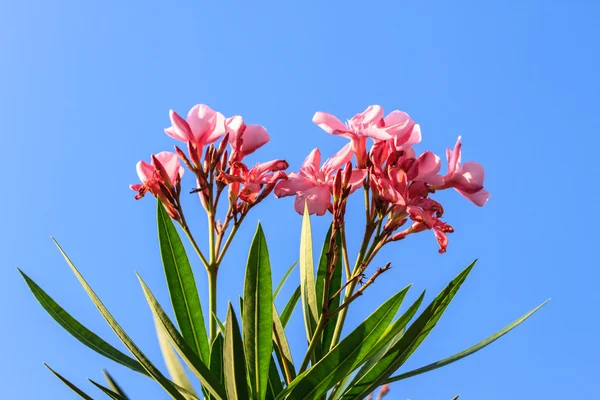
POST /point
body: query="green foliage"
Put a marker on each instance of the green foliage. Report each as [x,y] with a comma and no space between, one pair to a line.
[250,358]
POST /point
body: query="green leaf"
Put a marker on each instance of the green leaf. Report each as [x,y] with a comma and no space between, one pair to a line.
[336,283]
[284,279]
[456,397]
[176,370]
[414,336]
[182,285]
[219,323]
[207,379]
[80,332]
[216,360]
[71,386]
[346,355]
[466,352]
[390,337]
[282,348]
[307,278]
[131,346]
[114,386]
[234,361]
[289,308]
[110,393]
[275,386]
[257,315]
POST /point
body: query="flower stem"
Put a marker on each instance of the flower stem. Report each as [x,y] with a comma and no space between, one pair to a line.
[212,301]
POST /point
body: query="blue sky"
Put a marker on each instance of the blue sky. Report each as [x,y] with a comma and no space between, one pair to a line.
[85,93]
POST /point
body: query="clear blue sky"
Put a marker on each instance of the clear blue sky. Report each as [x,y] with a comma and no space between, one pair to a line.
[85,89]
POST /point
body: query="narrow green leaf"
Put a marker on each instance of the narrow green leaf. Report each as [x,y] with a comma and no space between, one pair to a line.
[414,336]
[216,360]
[182,285]
[131,346]
[275,385]
[219,323]
[114,386]
[207,379]
[336,283]
[466,352]
[282,348]
[110,393]
[176,370]
[284,279]
[307,277]
[289,308]
[71,386]
[396,330]
[390,337]
[257,315]
[80,332]
[456,397]
[234,361]
[346,355]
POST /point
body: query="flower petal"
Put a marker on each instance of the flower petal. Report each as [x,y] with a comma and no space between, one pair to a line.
[253,137]
[330,124]
[371,116]
[294,184]
[338,160]
[170,161]
[317,199]
[311,164]
[478,198]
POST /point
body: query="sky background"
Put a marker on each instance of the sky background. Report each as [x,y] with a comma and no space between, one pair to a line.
[85,89]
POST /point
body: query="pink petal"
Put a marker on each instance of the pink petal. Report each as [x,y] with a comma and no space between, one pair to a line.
[357,178]
[218,130]
[145,171]
[478,198]
[253,137]
[372,115]
[179,129]
[427,165]
[338,160]
[331,124]
[376,133]
[453,157]
[473,173]
[294,184]
[317,199]
[136,187]
[200,119]
[311,164]
[170,162]
[234,125]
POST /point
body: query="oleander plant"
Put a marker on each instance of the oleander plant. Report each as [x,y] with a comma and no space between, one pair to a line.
[247,355]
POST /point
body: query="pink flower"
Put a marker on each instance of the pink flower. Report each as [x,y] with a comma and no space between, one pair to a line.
[161,178]
[403,129]
[201,127]
[466,179]
[262,176]
[360,127]
[314,184]
[244,139]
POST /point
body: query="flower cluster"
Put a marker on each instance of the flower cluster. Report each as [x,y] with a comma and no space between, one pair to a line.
[215,167]
[397,182]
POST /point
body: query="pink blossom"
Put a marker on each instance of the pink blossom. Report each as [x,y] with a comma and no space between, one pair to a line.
[161,178]
[262,176]
[466,179]
[314,183]
[360,127]
[244,139]
[402,128]
[201,127]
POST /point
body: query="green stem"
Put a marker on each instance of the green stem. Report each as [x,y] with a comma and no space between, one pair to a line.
[186,229]
[212,301]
